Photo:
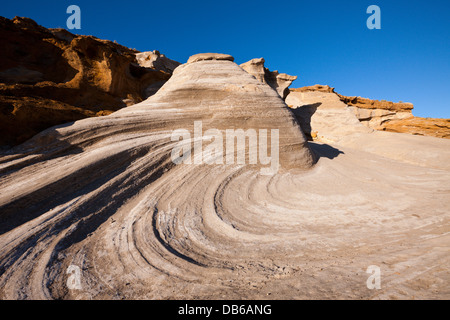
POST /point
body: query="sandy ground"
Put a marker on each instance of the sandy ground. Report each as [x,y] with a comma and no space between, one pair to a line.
[103,196]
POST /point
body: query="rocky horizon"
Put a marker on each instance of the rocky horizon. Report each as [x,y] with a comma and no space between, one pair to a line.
[34,97]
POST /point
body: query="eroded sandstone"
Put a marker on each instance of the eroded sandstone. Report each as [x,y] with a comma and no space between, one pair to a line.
[379,115]
[51,76]
[280,82]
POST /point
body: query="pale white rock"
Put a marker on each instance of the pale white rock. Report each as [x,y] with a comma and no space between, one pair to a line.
[213,88]
[325,117]
[280,82]
[374,118]
[157,61]
[210,56]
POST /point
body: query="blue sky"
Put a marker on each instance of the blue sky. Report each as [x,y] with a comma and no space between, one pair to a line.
[322,42]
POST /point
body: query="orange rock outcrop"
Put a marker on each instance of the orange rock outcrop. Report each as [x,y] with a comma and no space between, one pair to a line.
[385,115]
[51,76]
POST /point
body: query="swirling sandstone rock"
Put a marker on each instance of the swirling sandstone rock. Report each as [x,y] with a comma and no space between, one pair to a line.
[103,195]
[212,88]
[87,172]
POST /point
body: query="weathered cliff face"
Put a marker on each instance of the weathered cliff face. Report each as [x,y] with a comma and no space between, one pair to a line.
[154,60]
[325,118]
[51,76]
[157,61]
[322,115]
[280,82]
[374,114]
[420,126]
[317,87]
[395,117]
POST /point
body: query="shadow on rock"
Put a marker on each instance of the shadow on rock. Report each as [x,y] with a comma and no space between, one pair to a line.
[303,115]
[324,151]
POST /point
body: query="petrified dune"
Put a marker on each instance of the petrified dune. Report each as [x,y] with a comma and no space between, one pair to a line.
[74,178]
[103,194]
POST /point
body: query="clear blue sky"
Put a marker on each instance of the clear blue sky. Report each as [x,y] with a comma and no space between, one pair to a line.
[322,42]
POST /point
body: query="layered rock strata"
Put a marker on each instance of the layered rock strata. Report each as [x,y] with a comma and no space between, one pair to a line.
[280,82]
[51,76]
[381,115]
[70,186]
[101,201]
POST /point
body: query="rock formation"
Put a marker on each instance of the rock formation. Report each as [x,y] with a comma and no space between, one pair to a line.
[316,87]
[322,114]
[210,56]
[325,117]
[375,114]
[278,81]
[51,76]
[419,126]
[382,115]
[156,61]
[104,195]
[86,173]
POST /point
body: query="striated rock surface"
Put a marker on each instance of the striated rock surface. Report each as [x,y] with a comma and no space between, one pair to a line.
[278,81]
[51,76]
[375,113]
[102,195]
[396,117]
[324,117]
[317,87]
[364,103]
[73,180]
[420,126]
[381,115]
[210,56]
